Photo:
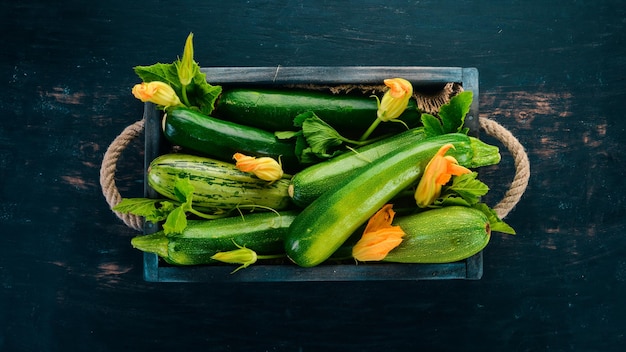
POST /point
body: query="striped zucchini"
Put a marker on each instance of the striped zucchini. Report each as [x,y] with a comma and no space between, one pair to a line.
[217,184]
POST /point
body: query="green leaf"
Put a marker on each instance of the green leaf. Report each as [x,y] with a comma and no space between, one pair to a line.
[176,221]
[496,224]
[301,146]
[468,187]
[154,210]
[432,125]
[166,73]
[200,93]
[316,140]
[183,190]
[136,206]
[453,113]
[287,134]
[308,156]
[450,199]
[300,118]
[321,136]
[161,212]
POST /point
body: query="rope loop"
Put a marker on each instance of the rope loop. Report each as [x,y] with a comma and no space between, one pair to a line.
[522,165]
[109,167]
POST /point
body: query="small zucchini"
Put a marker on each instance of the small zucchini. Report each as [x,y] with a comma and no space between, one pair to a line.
[201,239]
[275,109]
[217,184]
[324,225]
[310,183]
[443,235]
[221,139]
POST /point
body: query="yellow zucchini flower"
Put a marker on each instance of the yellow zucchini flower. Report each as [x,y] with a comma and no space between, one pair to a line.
[265,168]
[396,99]
[379,236]
[242,255]
[156,92]
[186,65]
[437,173]
[394,103]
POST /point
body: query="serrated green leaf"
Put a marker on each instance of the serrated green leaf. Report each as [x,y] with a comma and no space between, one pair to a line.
[432,125]
[153,210]
[176,222]
[453,113]
[136,206]
[316,140]
[183,191]
[300,146]
[307,156]
[200,94]
[300,118]
[166,73]
[161,212]
[468,187]
[321,136]
[449,200]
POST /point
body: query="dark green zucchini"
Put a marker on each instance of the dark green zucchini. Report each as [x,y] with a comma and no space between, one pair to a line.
[201,239]
[275,109]
[221,139]
[311,182]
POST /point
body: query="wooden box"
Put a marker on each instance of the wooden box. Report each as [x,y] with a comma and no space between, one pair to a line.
[426,78]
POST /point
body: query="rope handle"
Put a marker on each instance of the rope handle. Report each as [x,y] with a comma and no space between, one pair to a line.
[109,167]
[494,129]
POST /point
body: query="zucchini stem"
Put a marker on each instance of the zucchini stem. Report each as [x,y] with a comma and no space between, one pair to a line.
[204,215]
[362,142]
[185,99]
[271,256]
[370,129]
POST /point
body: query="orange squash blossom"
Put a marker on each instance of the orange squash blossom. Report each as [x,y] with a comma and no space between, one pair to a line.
[438,172]
[379,236]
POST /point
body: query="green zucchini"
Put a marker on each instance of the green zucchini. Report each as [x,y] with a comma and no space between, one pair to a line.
[275,109]
[325,224]
[310,183]
[221,139]
[217,184]
[201,239]
[443,235]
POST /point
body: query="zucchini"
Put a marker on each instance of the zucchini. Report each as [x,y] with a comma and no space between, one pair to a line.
[217,184]
[443,235]
[327,222]
[201,239]
[275,109]
[221,139]
[314,180]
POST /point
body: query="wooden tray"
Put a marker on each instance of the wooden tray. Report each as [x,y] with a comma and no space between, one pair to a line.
[156,270]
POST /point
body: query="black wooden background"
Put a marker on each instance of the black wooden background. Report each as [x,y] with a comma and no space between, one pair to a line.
[552,72]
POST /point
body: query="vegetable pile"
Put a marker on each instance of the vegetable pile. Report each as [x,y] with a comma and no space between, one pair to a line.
[309,177]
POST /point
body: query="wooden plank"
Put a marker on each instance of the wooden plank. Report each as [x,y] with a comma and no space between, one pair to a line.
[331,75]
